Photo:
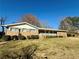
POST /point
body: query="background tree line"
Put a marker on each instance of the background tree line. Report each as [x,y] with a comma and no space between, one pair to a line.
[71,24]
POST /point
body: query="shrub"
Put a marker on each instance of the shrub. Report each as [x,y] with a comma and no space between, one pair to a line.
[22,37]
[1,34]
[14,37]
[28,37]
[51,36]
[34,36]
[6,37]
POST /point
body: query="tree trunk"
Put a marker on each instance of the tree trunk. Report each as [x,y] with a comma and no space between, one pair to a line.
[2,29]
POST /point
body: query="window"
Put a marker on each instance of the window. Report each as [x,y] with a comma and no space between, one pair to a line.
[14,29]
[32,30]
[25,30]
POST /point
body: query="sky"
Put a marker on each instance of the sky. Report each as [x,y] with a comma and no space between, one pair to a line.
[50,12]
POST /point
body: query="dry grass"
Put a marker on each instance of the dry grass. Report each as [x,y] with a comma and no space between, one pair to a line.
[55,48]
[58,49]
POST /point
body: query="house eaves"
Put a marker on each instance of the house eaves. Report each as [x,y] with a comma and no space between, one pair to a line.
[21,23]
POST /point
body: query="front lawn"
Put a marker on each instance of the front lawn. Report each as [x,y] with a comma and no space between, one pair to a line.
[55,48]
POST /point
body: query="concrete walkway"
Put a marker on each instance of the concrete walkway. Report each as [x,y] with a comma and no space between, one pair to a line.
[1,43]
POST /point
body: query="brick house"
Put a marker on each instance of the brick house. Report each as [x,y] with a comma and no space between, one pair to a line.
[27,29]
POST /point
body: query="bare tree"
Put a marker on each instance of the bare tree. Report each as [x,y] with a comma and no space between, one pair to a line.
[2,22]
[31,19]
[45,24]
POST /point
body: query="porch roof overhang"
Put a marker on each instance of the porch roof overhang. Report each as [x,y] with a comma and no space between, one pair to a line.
[50,29]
